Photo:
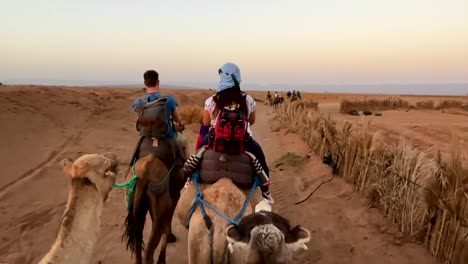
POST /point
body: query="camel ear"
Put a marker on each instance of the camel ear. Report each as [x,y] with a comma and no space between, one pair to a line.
[297,237]
[233,234]
[67,166]
[108,163]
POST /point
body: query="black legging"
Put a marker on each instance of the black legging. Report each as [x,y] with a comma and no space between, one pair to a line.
[253,147]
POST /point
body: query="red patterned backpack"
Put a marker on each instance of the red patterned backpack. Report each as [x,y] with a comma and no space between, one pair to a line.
[230,131]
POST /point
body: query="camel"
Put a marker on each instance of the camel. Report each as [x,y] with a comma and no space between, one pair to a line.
[277,101]
[211,245]
[92,178]
[269,102]
[152,194]
[265,237]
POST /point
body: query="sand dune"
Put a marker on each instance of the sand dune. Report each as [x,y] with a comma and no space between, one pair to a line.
[41,126]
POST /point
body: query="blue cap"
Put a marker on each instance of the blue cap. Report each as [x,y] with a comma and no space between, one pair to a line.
[229,74]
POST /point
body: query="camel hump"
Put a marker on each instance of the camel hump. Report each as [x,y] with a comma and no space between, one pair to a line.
[216,165]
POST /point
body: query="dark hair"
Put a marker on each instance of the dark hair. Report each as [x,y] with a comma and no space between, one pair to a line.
[228,96]
[151,78]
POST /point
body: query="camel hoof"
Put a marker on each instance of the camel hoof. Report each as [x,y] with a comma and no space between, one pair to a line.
[171,238]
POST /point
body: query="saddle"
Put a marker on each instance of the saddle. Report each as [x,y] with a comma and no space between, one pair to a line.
[169,152]
[216,165]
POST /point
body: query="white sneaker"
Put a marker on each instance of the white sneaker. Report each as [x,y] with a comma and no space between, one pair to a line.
[267,197]
[187,183]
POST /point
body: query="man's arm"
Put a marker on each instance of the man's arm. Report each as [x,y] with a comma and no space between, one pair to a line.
[176,116]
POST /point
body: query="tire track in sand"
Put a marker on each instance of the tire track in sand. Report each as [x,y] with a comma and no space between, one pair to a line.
[54,155]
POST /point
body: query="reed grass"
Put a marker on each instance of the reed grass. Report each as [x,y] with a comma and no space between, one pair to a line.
[428,104]
[424,194]
[191,114]
[348,106]
[450,104]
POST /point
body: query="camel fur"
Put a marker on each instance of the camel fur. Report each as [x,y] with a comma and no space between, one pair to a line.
[92,178]
[152,194]
[210,246]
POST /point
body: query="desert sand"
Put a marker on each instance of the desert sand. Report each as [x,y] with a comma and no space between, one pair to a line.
[42,125]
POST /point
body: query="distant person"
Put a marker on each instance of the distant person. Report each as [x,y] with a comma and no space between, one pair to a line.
[294,96]
[276,94]
[289,94]
[298,95]
[268,95]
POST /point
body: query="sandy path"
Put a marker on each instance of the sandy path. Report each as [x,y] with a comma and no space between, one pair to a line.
[33,191]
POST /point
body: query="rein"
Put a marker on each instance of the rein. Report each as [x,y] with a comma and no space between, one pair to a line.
[202,203]
[130,185]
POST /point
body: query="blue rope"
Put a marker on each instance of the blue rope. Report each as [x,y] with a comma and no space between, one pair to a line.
[202,203]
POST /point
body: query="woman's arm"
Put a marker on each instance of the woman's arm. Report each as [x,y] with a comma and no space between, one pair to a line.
[252,118]
[206,118]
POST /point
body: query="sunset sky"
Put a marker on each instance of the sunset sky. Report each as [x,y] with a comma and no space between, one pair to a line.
[294,42]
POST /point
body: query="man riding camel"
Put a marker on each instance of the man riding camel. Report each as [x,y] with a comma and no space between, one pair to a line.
[156,116]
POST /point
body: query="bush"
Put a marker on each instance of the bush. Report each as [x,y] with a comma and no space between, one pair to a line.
[348,106]
[429,104]
[191,114]
[450,104]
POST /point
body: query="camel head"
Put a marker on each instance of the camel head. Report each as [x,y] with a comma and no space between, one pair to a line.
[265,237]
[93,169]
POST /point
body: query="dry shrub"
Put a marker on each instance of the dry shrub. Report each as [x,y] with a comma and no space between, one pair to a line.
[450,104]
[191,114]
[429,104]
[306,104]
[291,159]
[427,196]
[348,106]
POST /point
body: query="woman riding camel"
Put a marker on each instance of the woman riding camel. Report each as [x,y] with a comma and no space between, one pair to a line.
[230,95]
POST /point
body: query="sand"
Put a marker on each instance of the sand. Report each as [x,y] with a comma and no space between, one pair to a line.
[41,126]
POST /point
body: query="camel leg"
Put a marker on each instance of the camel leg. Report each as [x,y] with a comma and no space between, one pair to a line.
[167,220]
[176,184]
[199,249]
[157,217]
[167,230]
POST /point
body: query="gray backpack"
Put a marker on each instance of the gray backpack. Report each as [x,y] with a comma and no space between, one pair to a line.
[152,119]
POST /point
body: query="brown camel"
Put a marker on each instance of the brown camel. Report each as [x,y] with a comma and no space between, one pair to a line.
[92,177]
[276,102]
[211,246]
[152,194]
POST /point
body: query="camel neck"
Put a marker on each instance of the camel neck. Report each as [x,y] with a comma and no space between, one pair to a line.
[79,229]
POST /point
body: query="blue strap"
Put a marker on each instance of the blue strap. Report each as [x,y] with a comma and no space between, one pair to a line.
[202,203]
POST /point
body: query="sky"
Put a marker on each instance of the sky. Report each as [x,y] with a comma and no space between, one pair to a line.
[297,42]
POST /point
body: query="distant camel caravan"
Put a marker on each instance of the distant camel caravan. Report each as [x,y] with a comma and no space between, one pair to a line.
[92,178]
[260,237]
